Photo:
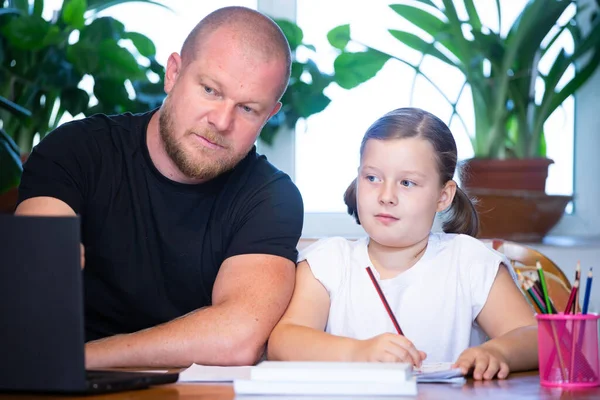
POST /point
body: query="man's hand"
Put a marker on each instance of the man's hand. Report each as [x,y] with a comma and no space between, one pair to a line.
[388,347]
[82,255]
[485,362]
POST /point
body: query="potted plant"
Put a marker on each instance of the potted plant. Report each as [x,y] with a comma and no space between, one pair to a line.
[501,71]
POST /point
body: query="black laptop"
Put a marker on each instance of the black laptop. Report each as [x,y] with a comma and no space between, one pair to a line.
[41,312]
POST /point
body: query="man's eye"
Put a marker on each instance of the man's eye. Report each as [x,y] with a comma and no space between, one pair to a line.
[247,109]
[208,90]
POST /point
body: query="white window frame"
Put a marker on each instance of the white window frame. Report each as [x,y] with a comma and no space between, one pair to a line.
[583,222]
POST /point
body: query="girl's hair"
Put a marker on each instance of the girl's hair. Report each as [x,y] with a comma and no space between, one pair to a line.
[414,122]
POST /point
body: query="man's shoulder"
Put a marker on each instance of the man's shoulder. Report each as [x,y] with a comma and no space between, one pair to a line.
[256,174]
[101,125]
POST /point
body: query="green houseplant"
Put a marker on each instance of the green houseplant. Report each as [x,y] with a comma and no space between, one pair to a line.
[42,64]
[501,71]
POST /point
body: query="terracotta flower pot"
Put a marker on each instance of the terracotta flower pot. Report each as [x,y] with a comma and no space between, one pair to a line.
[511,198]
[510,174]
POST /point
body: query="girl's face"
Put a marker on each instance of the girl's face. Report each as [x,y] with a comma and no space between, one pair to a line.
[399,191]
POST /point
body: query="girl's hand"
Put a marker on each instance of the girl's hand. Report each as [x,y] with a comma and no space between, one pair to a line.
[388,347]
[485,362]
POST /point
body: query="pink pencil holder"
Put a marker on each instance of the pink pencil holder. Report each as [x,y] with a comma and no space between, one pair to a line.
[568,350]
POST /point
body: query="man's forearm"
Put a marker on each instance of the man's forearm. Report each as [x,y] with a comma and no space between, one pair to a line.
[217,335]
[519,347]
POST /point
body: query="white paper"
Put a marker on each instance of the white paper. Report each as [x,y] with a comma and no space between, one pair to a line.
[329,371]
[205,373]
[441,372]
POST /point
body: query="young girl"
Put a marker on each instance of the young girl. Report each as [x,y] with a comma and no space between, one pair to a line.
[448,291]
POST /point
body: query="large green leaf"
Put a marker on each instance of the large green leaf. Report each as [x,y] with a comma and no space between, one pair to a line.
[297,70]
[27,32]
[38,7]
[339,36]
[415,42]
[117,62]
[111,92]
[352,69]
[474,19]
[319,80]
[532,26]
[72,13]
[141,42]
[419,17]
[292,32]
[101,29]
[308,101]
[84,56]
[441,31]
[74,100]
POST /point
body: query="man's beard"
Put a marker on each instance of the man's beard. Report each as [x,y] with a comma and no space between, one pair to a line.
[199,164]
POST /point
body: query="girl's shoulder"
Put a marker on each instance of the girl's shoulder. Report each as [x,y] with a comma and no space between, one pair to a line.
[472,252]
[335,247]
[465,244]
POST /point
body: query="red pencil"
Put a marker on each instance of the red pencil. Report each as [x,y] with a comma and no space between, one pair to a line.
[384,301]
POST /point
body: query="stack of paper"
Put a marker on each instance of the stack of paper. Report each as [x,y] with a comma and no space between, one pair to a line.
[328,378]
[323,378]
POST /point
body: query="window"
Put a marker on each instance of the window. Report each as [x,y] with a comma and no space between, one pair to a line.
[322,155]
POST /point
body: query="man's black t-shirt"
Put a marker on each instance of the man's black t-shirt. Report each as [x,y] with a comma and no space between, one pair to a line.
[153,246]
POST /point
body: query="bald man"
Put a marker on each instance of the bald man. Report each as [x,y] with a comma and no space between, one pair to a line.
[189,235]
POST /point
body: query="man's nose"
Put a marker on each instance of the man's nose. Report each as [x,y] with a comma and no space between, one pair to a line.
[221,116]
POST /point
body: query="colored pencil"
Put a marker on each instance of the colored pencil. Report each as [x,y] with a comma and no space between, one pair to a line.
[544,287]
[384,301]
[588,289]
[577,279]
[569,305]
[528,286]
[537,287]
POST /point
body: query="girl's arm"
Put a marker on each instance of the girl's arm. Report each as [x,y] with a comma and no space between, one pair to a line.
[300,335]
[509,321]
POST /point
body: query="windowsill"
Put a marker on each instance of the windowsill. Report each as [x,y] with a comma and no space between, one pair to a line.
[553,241]
[570,241]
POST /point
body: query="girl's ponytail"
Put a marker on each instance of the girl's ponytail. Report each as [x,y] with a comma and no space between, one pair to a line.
[350,200]
[463,216]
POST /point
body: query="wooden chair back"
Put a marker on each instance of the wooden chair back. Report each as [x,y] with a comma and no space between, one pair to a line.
[524,258]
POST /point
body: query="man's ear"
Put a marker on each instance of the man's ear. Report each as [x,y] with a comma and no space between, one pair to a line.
[446,196]
[275,110]
[172,72]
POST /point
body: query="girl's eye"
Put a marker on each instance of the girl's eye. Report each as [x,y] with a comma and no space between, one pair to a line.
[407,183]
[373,178]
